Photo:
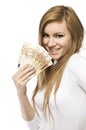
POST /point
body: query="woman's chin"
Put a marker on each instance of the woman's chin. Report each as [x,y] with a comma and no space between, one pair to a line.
[55,57]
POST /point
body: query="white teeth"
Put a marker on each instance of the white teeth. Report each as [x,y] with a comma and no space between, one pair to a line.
[51,49]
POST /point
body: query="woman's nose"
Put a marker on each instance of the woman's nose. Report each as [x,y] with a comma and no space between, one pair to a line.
[51,42]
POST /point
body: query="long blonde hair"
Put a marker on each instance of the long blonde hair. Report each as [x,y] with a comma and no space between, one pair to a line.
[52,75]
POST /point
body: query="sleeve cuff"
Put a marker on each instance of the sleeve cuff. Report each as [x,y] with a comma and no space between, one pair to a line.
[34,123]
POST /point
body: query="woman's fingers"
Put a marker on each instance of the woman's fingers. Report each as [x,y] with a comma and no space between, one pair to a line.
[21,70]
[29,70]
[24,74]
[27,75]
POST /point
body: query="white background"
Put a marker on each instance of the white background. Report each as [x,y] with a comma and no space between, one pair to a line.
[19,21]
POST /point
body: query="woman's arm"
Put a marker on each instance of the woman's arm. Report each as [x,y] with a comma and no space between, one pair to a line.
[26,108]
[20,79]
[33,121]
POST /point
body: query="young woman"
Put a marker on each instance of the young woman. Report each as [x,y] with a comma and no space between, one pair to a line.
[59,99]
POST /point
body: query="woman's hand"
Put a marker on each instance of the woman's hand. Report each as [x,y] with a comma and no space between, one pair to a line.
[22,77]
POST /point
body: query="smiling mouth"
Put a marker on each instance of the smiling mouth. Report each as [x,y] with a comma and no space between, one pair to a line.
[54,51]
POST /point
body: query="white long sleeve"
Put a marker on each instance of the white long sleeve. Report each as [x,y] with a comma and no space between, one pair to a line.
[78,69]
[38,124]
[34,124]
[70,113]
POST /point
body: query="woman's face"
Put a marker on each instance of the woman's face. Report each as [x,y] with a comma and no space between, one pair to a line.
[57,39]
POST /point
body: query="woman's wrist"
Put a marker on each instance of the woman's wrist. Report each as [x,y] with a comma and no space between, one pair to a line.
[26,107]
[20,94]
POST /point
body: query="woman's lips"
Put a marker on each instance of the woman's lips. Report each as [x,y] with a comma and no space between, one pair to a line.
[54,51]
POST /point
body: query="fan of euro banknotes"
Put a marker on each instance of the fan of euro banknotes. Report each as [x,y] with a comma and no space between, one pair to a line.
[36,56]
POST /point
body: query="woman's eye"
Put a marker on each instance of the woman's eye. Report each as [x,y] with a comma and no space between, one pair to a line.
[45,35]
[59,36]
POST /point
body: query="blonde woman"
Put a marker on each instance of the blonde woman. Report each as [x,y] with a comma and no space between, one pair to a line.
[59,99]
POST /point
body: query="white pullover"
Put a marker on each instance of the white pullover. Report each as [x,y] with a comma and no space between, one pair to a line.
[70,113]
